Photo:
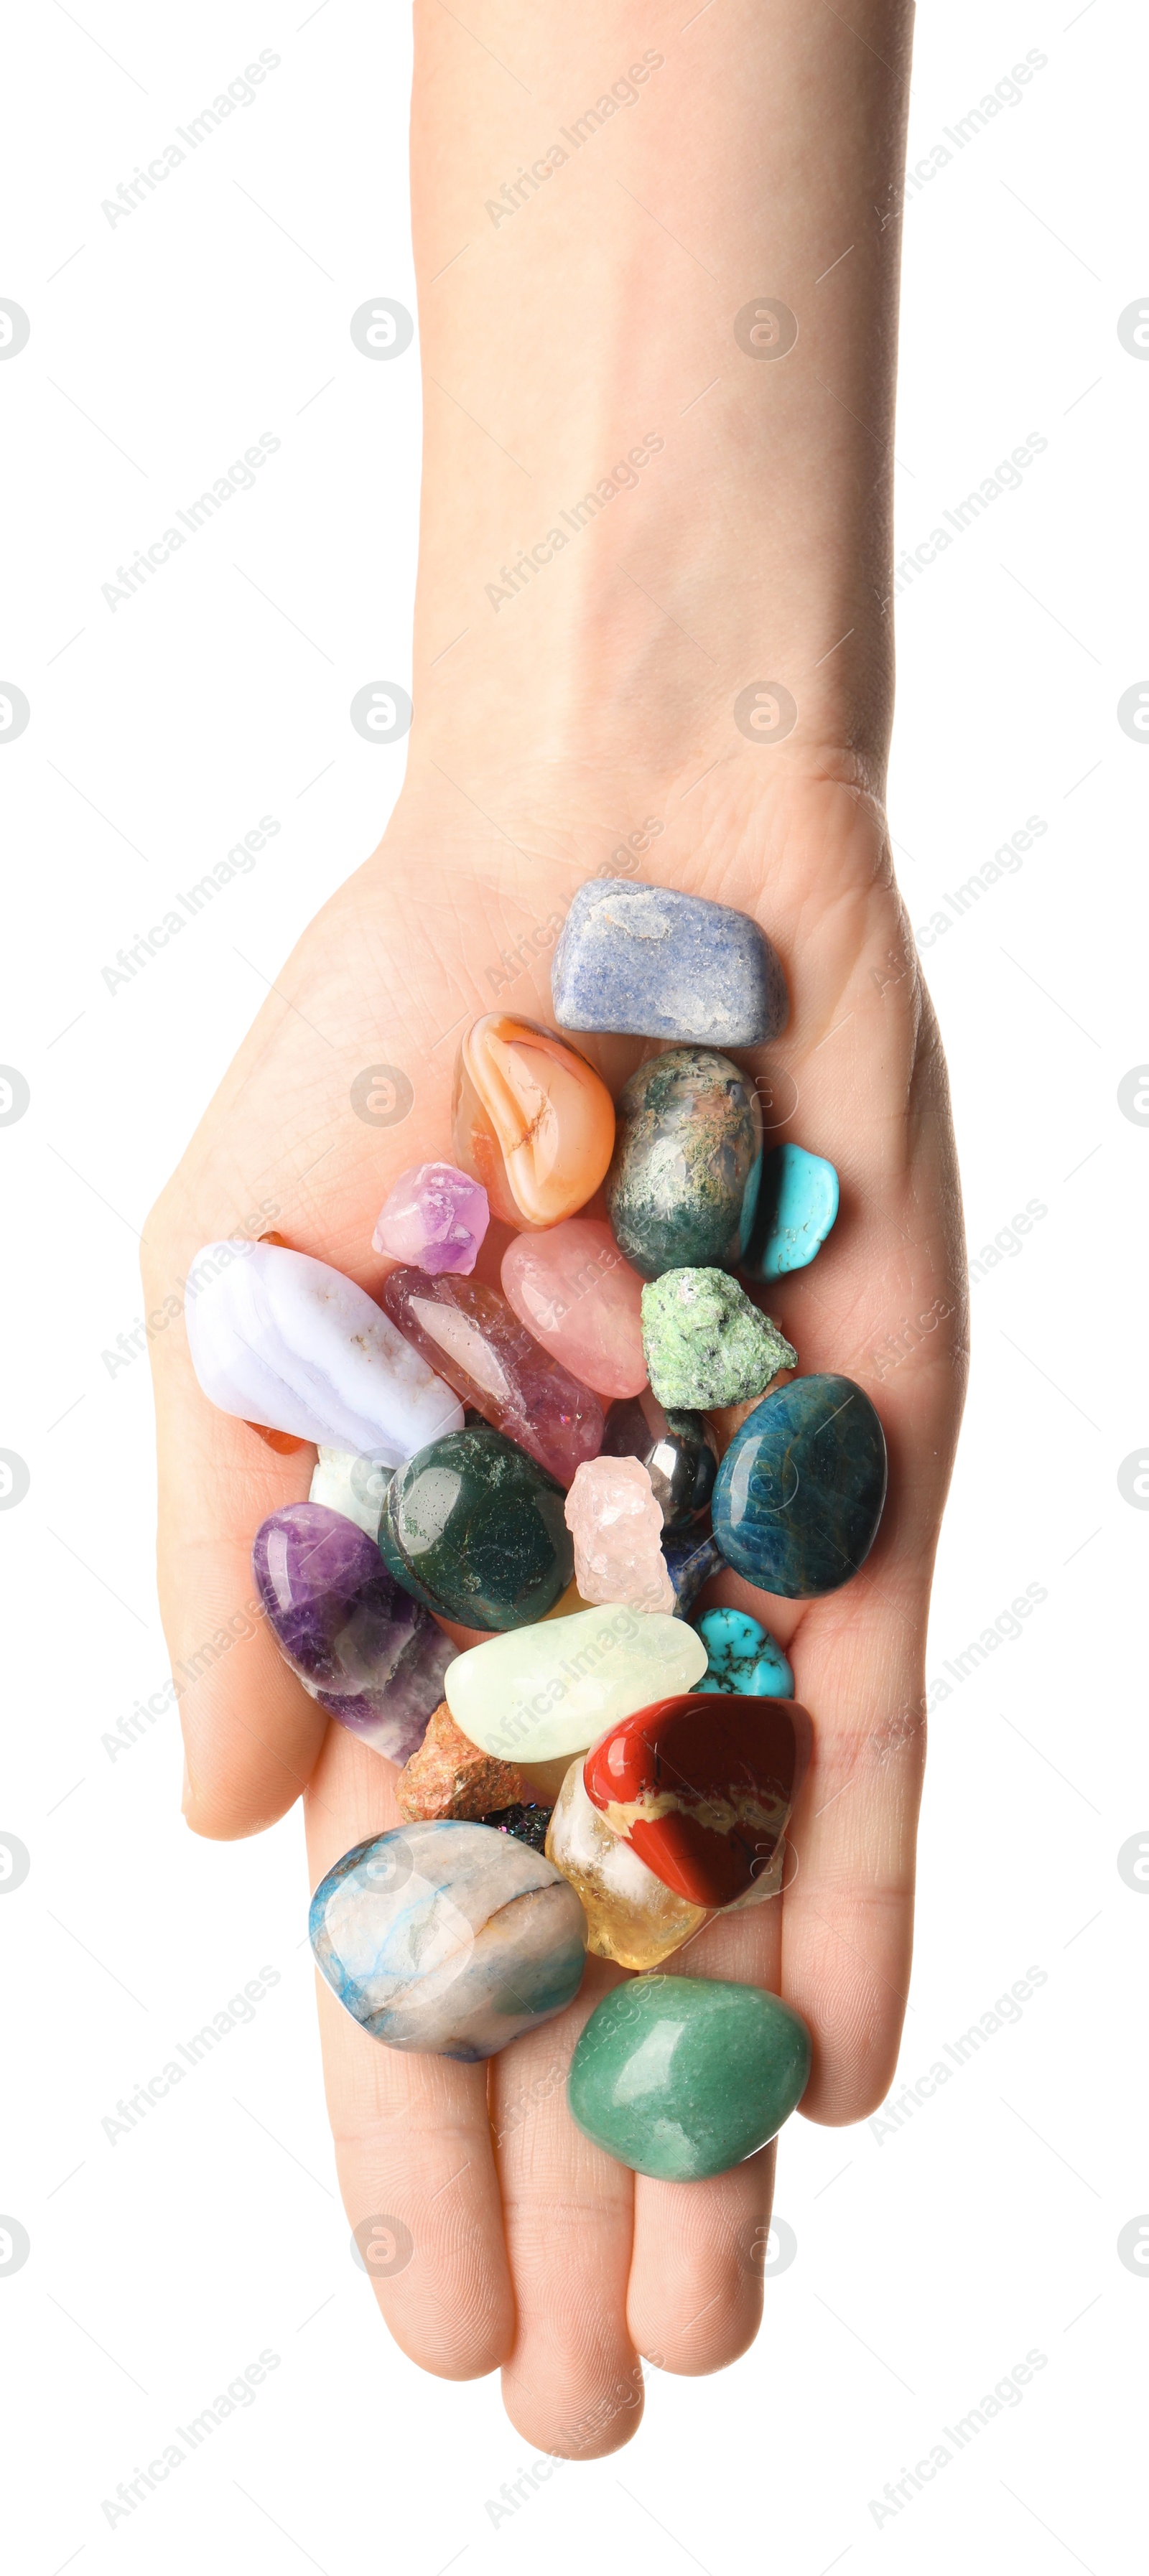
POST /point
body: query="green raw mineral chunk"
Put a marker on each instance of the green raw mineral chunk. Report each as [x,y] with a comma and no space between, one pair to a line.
[681,2077]
[705,1343]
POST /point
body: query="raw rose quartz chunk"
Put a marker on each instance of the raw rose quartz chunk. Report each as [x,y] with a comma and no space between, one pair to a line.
[474,1340]
[582,1301]
[435,1215]
[616,1526]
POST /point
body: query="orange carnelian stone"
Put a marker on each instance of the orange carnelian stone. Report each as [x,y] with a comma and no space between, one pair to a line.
[530,1119]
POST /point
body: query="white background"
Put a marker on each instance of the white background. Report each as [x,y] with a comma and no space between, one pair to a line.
[929,2260]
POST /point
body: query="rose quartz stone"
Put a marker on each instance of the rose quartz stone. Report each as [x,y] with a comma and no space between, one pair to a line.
[435,1216]
[582,1301]
[616,1525]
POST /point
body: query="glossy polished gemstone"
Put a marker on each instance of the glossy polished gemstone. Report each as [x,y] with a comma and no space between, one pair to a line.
[448,1776]
[433,1215]
[616,1526]
[474,1340]
[646,961]
[678,1450]
[683,2077]
[706,1344]
[683,1185]
[473,1528]
[632,1916]
[701,1788]
[448,1939]
[351,1485]
[797,1205]
[743,1658]
[284,1340]
[692,1556]
[531,1119]
[582,1301]
[548,1691]
[359,1644]
[800,1490]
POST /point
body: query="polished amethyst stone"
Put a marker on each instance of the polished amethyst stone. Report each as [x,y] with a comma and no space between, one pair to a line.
[363,1648]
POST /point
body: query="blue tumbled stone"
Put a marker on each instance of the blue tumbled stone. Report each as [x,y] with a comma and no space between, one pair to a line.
[799,1493]
[645,961]
[744,1660]
[690,1562]
[797,1205]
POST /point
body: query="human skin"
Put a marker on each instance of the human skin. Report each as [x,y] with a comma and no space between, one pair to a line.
[762,157]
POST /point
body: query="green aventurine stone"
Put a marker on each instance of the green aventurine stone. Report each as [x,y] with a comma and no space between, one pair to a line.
[473,1528]
[705,1343]
[681,2077]
[683,1185]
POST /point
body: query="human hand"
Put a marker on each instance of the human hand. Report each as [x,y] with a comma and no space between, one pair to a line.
[532,2249]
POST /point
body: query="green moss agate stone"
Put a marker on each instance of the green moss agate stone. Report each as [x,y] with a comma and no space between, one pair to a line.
[706,1344]
[682,2077]
[800,1491]
[474,1528]
[683,1186]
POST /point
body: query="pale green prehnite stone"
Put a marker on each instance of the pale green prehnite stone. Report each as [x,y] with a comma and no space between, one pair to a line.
[538,1693]
[682,2077]
[705,1343]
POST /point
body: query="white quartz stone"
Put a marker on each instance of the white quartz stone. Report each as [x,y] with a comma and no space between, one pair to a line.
[283,1340]
[351,1485]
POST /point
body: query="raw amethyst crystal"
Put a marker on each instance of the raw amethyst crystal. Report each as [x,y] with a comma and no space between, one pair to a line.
[435,1215]
[363,1648]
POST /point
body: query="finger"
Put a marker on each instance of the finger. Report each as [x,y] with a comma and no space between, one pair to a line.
[412,2134]
[571,2383]
[695,2294]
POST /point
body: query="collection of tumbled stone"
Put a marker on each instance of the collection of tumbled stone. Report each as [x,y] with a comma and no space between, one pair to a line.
[535,1462]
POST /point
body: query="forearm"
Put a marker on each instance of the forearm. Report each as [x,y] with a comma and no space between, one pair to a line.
[591,317]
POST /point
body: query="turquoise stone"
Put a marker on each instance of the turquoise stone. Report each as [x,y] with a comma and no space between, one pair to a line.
[744,1659]
[797,1205]
[474,1528]
[682,2077]
[682,1189]
[799,1493]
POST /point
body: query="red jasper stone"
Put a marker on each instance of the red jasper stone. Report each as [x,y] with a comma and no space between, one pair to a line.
[701,1787]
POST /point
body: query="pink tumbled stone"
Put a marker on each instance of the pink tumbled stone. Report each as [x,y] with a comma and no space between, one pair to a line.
[436,1216]
[582,1301]
[616,1525]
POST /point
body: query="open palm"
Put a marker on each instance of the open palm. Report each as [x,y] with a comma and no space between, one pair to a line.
[531,2248]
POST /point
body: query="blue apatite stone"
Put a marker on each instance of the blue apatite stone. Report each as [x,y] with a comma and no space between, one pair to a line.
[799,1493]
[448,1938]
[645,961]
[690,1562]
[797,1205]
[743,1658]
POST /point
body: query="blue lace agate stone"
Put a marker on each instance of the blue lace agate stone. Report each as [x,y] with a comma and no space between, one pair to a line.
[744,1659]
[799,1493]
[448,1938]
[797,1205]
[645,961]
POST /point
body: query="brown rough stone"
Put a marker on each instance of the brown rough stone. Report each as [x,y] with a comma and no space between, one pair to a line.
[449,1776]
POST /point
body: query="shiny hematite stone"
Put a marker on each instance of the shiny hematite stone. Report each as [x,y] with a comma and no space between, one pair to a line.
[473,1528]
[800,1490]
[683,2077]
[682,1188]
[678,1450]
